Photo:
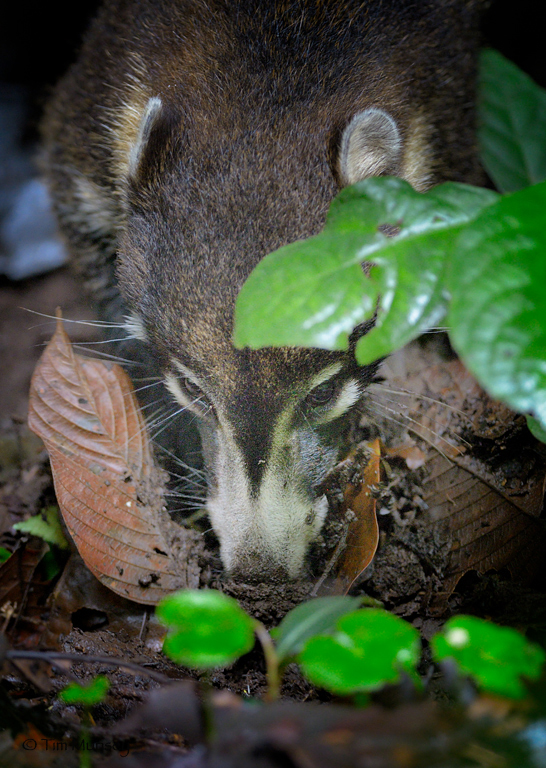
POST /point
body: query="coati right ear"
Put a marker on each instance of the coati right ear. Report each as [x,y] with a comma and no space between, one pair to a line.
[370,146]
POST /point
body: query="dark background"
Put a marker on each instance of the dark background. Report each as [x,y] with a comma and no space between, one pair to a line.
[39,41]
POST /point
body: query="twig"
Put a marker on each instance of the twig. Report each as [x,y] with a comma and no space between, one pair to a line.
[52,656]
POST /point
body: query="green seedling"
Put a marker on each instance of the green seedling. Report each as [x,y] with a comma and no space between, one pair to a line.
[87,696]
[207,629]
[307,620]
[345,651]
[46,526]
[368,649]
[497,658]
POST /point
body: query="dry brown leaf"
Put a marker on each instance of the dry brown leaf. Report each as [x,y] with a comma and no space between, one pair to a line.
[487,488]
[357,545]
[109,491]
[363,534]
[23,590]
[490,530]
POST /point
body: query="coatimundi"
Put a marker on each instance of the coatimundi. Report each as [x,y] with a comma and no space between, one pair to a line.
[193,137]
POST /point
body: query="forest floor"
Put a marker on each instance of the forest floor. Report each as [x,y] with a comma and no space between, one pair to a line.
[461,530]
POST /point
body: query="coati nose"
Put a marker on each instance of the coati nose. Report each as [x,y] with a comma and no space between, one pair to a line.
[254,568]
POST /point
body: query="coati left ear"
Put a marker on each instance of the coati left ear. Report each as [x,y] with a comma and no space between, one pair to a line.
[154,143]
[147,121]
[370,146]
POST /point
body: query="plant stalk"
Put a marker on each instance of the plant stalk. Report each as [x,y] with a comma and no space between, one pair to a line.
[271,662]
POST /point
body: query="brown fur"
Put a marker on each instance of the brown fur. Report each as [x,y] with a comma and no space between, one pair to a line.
[242,158]
[259,93]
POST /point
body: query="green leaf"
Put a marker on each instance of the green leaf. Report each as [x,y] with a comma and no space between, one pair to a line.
[206,628]
[5,554]
[314,292]
[496,657]
[512,115]
[90,694]
[368,649]
[48,529]
[498,309]
[536,429]
[409,269]
[51,564]
[303,294]
[309,619]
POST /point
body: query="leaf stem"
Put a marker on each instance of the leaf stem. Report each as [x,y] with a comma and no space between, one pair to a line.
[271,662]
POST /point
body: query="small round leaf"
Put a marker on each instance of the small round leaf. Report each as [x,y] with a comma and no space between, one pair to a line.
[206,628]
[496,657]
[368,649]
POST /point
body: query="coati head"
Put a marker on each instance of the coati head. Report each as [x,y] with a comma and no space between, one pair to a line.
[273,421]
[230,139]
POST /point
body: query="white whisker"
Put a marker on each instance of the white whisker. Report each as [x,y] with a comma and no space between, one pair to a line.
[418,396]
[147,386]
[107,341]
[166,421]
[92,323]
[185,496]
[416,430]
[115,358]
[192,470]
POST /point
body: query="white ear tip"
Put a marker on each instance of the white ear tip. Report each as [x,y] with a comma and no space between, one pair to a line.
[370,145]
[151,111]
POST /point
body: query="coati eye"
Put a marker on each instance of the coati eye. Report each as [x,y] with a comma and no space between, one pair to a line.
[321,395]
[195,393]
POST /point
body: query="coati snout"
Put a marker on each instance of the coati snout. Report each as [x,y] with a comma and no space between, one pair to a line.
[192,138]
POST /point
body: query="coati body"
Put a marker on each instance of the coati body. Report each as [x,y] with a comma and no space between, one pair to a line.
[191,138]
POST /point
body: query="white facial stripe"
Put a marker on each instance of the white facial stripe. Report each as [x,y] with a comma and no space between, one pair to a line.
[135,328]
[350,393]
[324,375]
[275,527]
[196,402]
[171,382]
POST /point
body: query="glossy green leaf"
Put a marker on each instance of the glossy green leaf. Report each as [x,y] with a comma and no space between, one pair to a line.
[496,657]
[497,314]
[314,292]
[536,429]
[303,294]
[409,269]
[206,628]
[309,619]
[46,526]
[368,649]
[512,116]
[88,695]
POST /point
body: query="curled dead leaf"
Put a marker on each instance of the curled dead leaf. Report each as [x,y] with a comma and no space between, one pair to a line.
[109,490]
[363,534]
[357,547]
